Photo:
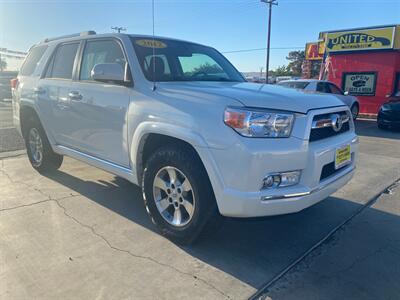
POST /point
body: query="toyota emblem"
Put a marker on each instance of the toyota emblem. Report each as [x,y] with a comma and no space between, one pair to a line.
[337,122]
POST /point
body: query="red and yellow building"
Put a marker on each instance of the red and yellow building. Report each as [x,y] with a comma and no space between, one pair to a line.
[365,62]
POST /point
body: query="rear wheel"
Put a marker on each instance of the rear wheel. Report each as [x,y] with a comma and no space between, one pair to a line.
[38,148]
[177,193]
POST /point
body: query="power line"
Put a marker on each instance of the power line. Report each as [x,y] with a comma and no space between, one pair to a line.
[259,49]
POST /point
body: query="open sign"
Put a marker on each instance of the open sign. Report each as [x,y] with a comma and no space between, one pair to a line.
[362,83]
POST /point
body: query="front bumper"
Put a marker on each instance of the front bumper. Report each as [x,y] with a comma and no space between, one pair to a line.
[295,200]
[237,173]
[390,118]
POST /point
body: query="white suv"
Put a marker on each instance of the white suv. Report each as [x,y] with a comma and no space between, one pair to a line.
[177,119]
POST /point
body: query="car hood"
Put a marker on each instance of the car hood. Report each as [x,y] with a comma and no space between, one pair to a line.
[393,104]
[257,95]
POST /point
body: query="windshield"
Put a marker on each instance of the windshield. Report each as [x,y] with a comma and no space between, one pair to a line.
[294,84]
[182,61]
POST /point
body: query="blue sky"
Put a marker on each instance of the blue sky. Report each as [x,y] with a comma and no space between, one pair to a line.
[224,24]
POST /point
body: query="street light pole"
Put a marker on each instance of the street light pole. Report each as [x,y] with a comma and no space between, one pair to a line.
[270,3]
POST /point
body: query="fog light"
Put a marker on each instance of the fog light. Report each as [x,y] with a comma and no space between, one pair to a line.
[281,179]
[272,181]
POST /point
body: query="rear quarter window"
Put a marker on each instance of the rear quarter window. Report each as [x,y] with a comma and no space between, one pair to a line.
[32,60]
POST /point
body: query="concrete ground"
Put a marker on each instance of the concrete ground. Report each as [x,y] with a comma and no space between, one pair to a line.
[10,140]
[81,233]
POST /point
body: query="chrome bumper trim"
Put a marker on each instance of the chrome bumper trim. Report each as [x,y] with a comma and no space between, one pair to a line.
[320,187]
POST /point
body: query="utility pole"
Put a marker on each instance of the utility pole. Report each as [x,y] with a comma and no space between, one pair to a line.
[270,3]
[119,29]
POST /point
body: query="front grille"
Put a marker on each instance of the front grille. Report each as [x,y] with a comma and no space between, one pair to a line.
[319,133]
[322,133]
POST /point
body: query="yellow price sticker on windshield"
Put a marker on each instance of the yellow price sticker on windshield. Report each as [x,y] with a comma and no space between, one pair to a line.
[151,44]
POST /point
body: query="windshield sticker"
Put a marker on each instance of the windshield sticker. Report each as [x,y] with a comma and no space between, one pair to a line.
[151,44]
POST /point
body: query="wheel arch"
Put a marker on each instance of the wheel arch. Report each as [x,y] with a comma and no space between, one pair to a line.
[27,112]
[150,142]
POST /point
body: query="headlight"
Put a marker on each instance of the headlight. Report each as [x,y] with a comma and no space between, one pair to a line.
[253,123]
[386,107]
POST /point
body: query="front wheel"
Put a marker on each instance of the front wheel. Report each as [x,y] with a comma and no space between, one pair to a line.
[178,194]
[382,126]
[355,109]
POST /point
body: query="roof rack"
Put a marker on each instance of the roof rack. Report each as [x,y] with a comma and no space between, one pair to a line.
[83,33]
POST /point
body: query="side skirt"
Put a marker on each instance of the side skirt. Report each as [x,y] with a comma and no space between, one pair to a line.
[98,163]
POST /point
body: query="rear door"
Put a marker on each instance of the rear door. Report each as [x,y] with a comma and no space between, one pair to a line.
[98,111]
[53,92]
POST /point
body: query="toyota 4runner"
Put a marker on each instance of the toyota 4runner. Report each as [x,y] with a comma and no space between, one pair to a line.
[177,119]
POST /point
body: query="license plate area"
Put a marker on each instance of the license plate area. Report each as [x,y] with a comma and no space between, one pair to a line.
[342,156]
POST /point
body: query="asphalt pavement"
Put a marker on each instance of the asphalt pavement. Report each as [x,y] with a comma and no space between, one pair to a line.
[81,233]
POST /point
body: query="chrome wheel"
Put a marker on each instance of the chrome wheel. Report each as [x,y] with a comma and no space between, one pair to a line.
[35,146]
[174,197]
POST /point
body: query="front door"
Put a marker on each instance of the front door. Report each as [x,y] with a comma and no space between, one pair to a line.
[98,111]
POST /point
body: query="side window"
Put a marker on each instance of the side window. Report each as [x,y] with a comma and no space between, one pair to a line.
[62,63]
[32,60]
[100,52]
[334,89]
[322,87]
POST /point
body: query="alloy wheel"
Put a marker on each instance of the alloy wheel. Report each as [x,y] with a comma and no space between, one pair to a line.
[35,146]
[174,197]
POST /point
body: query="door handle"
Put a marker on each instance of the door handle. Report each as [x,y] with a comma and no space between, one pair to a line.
[75,96]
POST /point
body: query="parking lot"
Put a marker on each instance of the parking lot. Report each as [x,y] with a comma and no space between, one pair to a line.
[80,232]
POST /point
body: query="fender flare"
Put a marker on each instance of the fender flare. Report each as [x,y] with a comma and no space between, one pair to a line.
[166,129]
[186,135]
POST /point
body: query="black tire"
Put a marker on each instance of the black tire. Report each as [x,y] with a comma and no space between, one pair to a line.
[382,126]
[356,107]
[50,160]
[205,212]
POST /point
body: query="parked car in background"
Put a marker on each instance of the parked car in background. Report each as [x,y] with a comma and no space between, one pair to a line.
[389,113]
[324,86]
[5,84]
[178,119]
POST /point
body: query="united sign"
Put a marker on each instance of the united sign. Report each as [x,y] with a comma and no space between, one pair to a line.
[363,39]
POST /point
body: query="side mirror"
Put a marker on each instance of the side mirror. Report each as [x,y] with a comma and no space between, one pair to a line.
[111,72]
[346,93]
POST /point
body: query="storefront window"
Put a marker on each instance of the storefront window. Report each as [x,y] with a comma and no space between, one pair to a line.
[360,83]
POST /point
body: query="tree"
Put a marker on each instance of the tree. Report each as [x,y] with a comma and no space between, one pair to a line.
[3,64]
[315,68]
[296,59]
[207,68]
[282,71]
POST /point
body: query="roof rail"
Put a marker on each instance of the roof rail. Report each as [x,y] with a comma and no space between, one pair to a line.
[83,33]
